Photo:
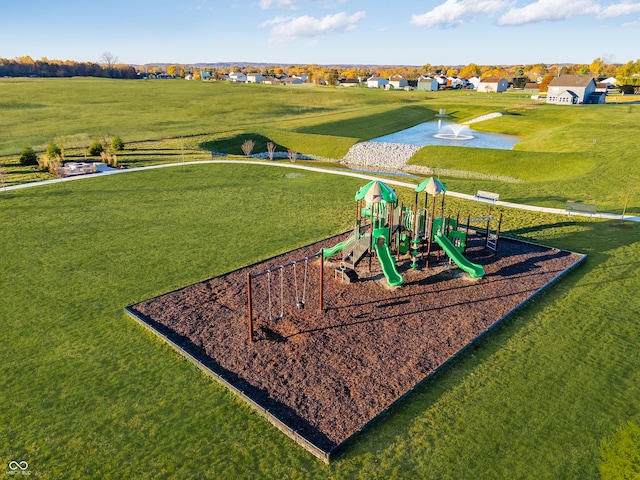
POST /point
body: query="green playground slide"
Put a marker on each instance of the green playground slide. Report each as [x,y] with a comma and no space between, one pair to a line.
[473,269]
[388,265]
[338,247]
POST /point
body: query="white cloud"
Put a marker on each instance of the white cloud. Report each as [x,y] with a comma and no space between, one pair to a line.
[548,10]
[456,12]
[284,4]
[553,10]
[619,9]
[292,4]
[286,29]
[452,13]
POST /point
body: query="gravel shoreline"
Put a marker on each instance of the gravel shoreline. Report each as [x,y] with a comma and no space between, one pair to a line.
[389,156]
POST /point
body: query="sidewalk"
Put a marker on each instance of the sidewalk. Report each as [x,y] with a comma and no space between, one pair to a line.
[531,208]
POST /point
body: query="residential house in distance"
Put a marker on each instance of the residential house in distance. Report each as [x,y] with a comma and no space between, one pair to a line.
[442,81]
[455,82]
[377,82]
[573,90]
[255,78]
[291,81]
[531,88]
[493,84]
[349,82]
[427,84]
[237,77]
[398,82]
[474,82]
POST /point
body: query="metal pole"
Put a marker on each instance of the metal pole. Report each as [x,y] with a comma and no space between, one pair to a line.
[498,232]
[321,306]
[486,241]
[466,235]
[249,309]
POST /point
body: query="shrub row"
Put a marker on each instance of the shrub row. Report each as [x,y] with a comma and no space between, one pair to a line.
[29,157]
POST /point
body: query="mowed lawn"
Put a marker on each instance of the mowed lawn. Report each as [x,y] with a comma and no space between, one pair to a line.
[87,393]
[582,153]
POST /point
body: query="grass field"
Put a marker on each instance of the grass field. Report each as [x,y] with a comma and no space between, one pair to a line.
[87,393]
[579,153]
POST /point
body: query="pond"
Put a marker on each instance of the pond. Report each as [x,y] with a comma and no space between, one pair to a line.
[449,134]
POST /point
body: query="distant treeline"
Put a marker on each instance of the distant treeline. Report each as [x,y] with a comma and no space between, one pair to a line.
[27,67]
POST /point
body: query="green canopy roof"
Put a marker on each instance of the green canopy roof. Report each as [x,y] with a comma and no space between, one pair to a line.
[432,186]
[376,192]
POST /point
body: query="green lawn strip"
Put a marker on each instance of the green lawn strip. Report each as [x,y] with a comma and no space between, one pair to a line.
[565,154]
[90,393]
[579,153]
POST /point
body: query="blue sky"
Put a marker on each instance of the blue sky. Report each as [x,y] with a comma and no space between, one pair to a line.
[326,32]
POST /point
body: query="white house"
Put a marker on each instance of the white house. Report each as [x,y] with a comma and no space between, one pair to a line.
[255,78]
[442,80]
[572,90]
[455,82]
[377,82]
[238,77]
[475,81]
[493,84]
[398,81]
[427,84]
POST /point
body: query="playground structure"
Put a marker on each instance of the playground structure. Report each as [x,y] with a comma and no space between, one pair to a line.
[385,230]
[391,232]
[322,375]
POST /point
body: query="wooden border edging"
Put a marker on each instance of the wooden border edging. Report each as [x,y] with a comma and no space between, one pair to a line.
[327,456]
[276,422]
[338,448]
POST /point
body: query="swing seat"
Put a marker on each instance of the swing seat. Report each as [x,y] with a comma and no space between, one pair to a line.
[300,305]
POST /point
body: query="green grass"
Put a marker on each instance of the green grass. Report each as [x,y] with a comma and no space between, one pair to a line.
[87,393]
[582,153]
[565,153]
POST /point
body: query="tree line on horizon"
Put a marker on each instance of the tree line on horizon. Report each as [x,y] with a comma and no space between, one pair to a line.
[27,67]
[626,74]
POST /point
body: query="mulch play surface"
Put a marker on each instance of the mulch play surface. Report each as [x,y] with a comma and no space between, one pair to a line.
[327,373]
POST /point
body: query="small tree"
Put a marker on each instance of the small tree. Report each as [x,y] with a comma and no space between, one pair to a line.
[247,147]
[271,147]
[28,157]
[53,150]
[117,145]
[96,148]
[292,154]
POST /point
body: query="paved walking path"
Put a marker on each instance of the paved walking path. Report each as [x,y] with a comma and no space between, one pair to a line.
[532,208]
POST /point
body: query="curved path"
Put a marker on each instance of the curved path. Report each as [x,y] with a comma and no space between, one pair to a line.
[532,208]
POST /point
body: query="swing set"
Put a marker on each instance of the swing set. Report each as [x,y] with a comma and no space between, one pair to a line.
[272,284]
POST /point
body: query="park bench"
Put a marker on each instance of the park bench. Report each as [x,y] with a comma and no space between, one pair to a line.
[481,194]
[579,207]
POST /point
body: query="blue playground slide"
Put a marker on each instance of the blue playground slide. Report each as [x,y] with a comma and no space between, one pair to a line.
[473,269]
[388,265]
